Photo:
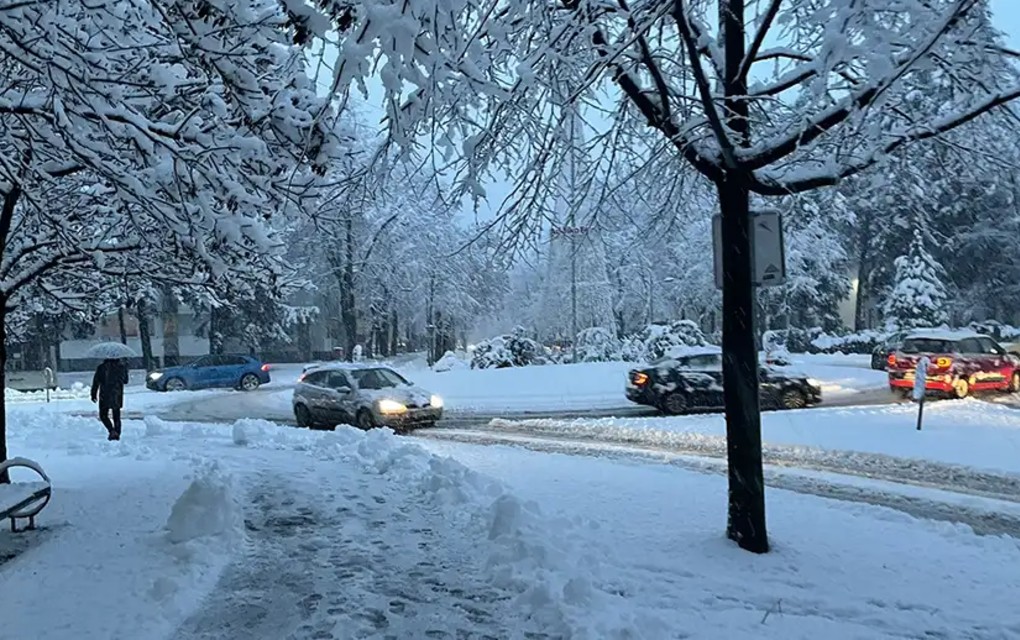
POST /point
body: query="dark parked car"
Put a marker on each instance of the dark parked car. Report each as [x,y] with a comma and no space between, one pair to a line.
[960,363]
[214,371]
[363,395]
[693,381]
[880,355]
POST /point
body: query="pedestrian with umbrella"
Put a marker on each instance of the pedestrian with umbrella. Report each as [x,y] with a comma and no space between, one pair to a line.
[108,383]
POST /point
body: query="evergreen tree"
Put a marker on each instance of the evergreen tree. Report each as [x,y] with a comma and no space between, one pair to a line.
[918,297]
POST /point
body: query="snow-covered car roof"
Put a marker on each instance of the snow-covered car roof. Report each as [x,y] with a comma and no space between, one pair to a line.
[675,353]
[343,366]
[950,335]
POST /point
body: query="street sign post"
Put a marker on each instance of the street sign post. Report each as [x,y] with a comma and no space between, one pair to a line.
[769,256]
[920,387]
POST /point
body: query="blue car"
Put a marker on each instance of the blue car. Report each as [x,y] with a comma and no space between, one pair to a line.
[214,371]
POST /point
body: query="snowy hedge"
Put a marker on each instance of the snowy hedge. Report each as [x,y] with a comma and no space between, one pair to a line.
[655,340]
[513,350]
[597,344]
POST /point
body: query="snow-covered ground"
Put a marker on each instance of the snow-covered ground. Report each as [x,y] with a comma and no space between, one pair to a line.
[258,531]
[969,432]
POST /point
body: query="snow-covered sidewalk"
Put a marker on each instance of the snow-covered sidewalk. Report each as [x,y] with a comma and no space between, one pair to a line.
[255,531]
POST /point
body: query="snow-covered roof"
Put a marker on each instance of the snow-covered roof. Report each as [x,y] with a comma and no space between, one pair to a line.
[686,351]
[944,334]
[342,366]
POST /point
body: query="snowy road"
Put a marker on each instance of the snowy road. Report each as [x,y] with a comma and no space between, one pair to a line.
[273,404]
[988,503]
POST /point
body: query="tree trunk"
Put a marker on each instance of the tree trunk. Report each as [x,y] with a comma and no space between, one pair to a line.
[746,518]
[5,477]
[394,332]
[217,329]
[171,344]
[304,339]
[863,275]
[122,325]
[746,521]
[348,313]
[145,335]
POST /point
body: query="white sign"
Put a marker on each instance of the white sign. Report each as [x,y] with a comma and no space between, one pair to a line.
[768,267]
[921,377]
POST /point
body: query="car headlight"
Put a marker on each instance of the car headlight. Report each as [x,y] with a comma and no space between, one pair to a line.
[391,406]
[436,402]
[155,375]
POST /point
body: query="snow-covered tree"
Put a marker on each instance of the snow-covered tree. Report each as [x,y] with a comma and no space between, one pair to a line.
[918,298]
[131,128]
[486,79]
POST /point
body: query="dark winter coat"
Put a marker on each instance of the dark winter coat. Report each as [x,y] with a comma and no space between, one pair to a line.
[108,384]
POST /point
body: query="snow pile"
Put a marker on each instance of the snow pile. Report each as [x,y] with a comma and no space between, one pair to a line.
[449,362]
[78,391]
[154,426]
[207,508]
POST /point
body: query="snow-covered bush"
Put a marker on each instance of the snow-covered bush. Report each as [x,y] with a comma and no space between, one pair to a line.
[513,350]
[862,342]
[655,340]
[597,344]
[996,329]
[449,362]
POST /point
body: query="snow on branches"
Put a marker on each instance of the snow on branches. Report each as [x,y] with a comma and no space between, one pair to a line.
[171,130]
[829,87]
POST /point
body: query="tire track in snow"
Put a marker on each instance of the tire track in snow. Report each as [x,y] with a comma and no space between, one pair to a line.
[873,466]
[983,521]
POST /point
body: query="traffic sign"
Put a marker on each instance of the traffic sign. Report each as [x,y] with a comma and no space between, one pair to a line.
[768,255]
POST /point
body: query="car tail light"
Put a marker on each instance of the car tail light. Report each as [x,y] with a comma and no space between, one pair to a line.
[892,360]
[265,367]
[639,379]
[943,362]
[301,378]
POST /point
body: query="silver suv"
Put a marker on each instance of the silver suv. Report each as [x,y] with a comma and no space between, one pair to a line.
[365,396]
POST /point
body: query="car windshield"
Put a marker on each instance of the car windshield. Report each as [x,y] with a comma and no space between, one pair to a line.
[927,345]
[378,379]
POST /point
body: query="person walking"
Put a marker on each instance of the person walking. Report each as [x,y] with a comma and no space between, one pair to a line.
[108,389]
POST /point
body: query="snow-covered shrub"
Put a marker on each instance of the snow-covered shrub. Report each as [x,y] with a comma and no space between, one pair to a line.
[862,342]
[597,344]
[656,340]
[449,362]
[513,350]
[774,345]
[996,329]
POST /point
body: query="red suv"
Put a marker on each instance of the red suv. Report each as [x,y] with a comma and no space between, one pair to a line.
[960,363]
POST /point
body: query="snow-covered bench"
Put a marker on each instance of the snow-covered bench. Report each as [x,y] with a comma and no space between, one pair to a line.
[23,500]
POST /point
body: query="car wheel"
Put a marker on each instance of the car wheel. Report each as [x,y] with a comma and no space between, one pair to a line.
[250,382]
[1014,382]
[303,416]
[175,384]
[961,388]
[674,404]
[365,421]
[794,399]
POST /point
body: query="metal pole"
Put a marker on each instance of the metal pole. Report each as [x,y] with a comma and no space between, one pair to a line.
[573,298]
